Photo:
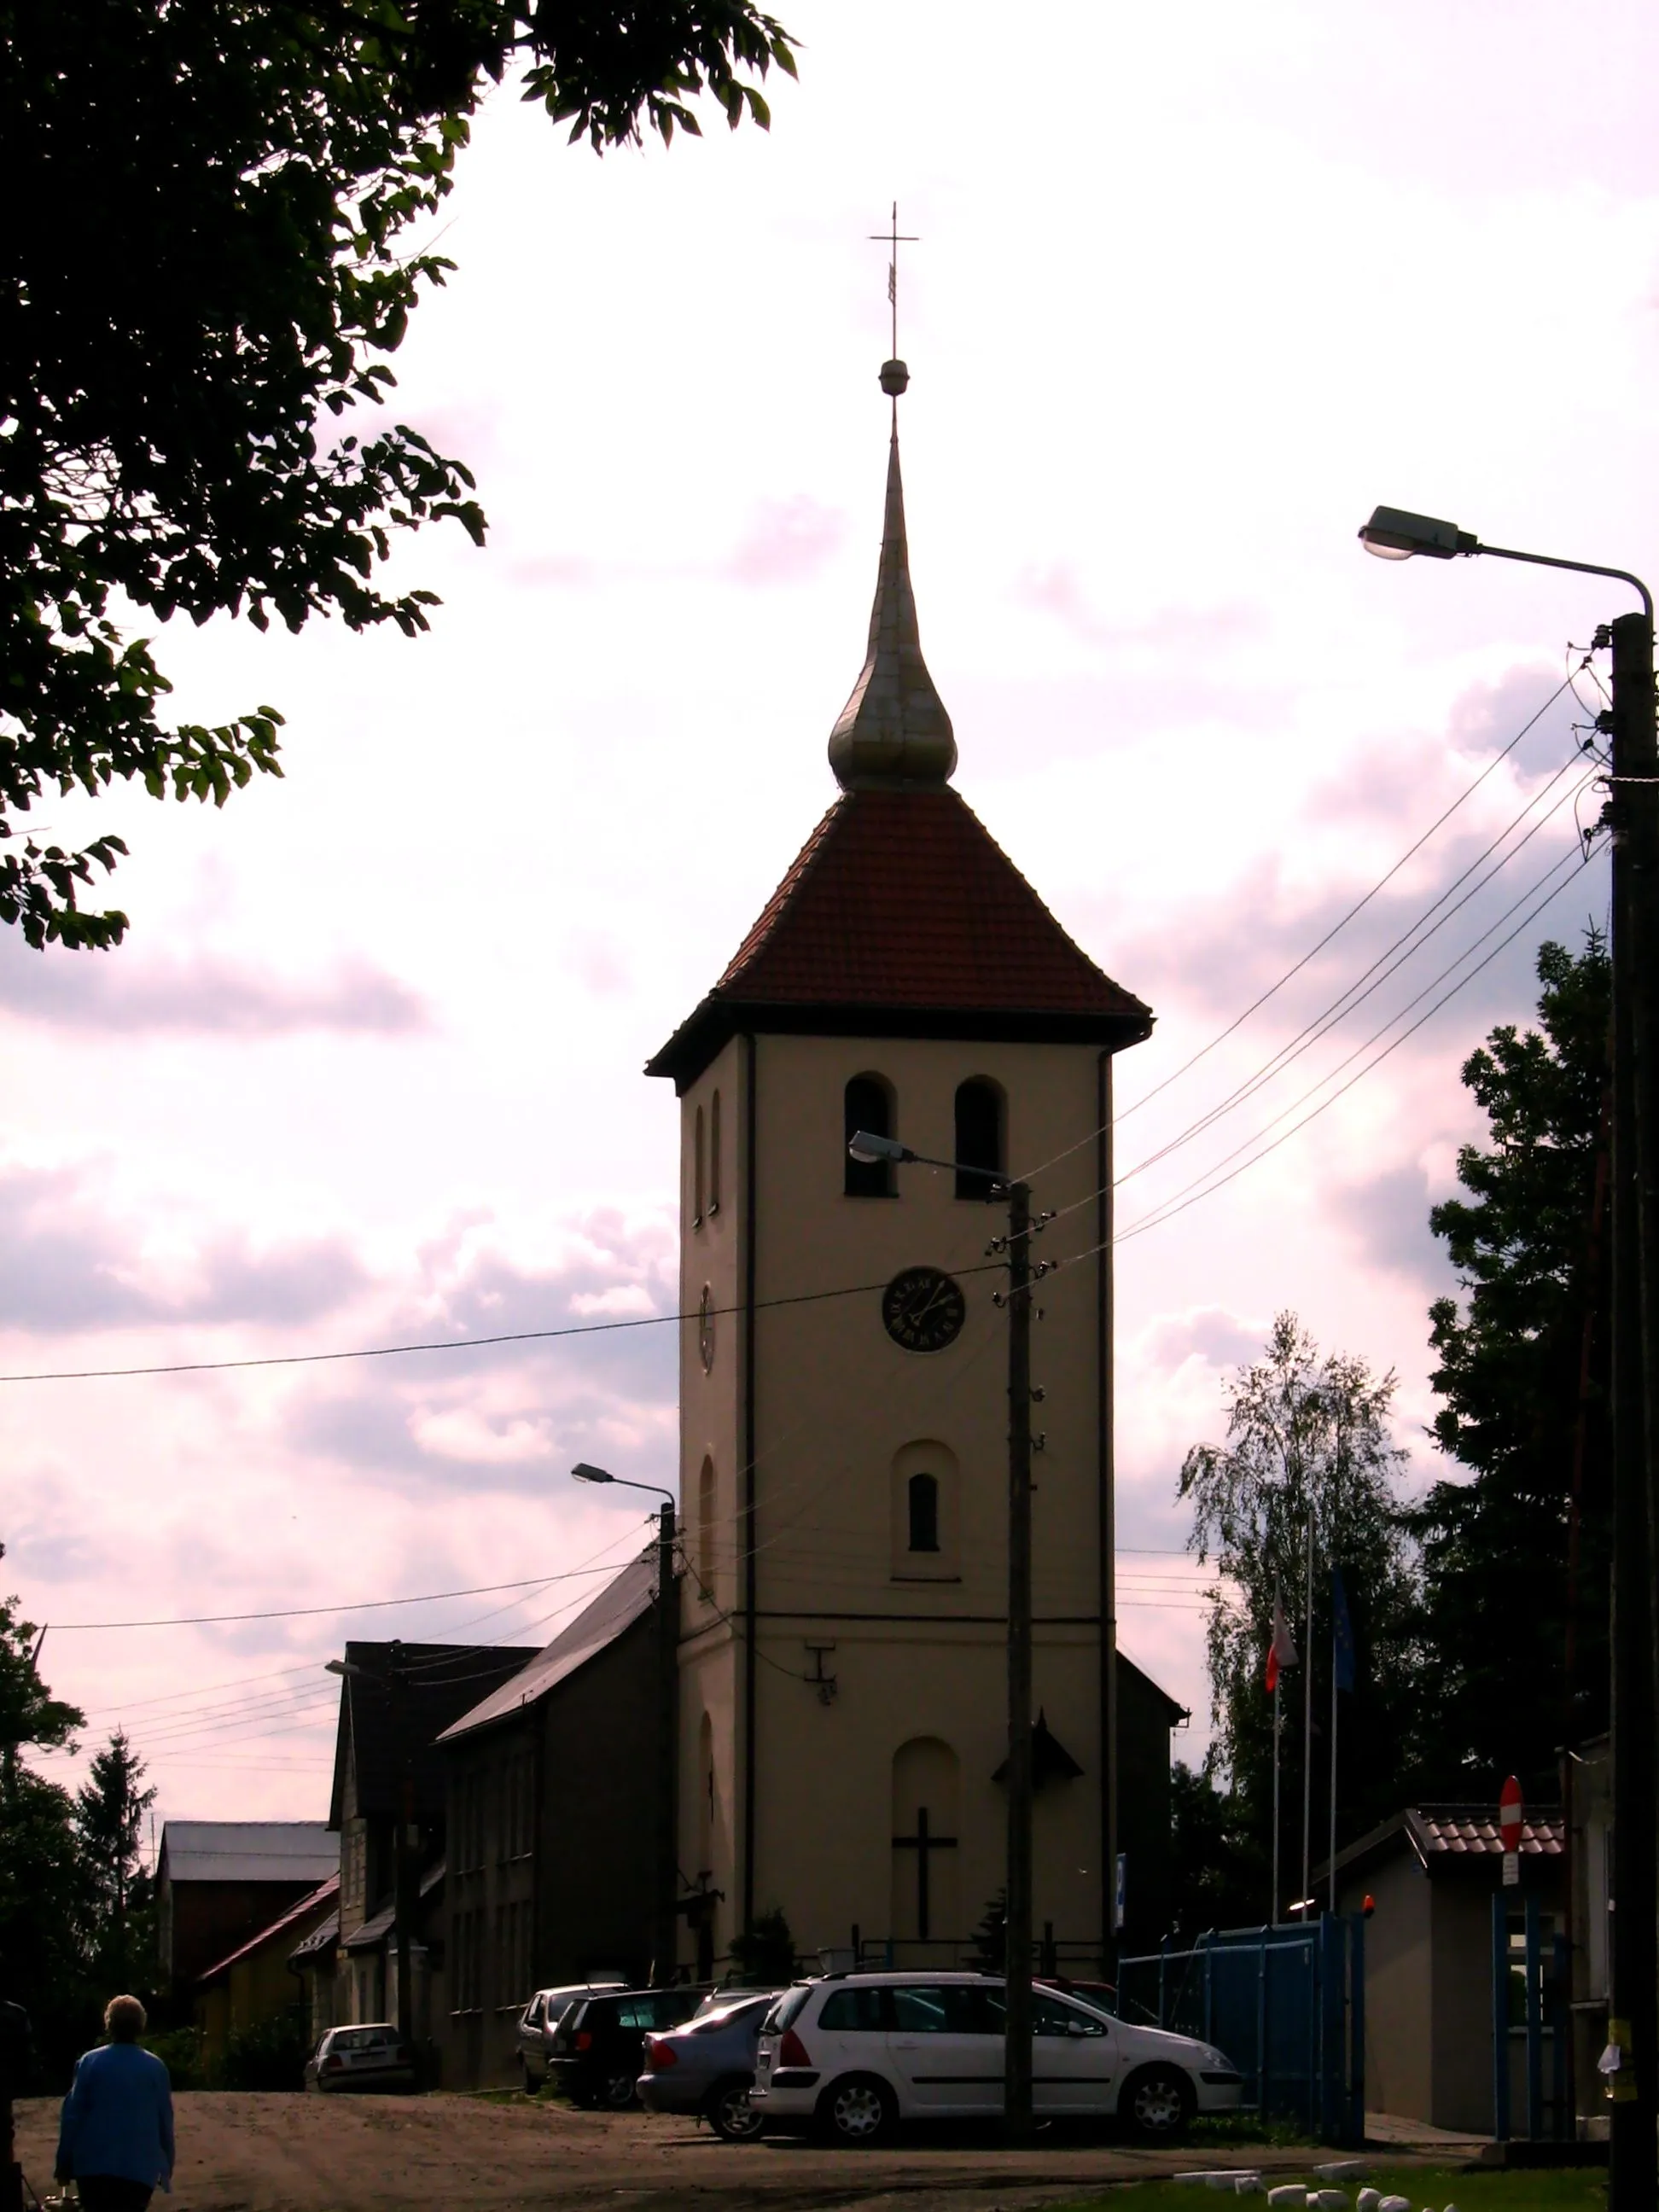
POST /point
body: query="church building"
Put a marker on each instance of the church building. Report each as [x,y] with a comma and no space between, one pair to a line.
[844,1408]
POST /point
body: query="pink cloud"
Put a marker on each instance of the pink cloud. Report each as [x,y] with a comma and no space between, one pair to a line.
[787,541]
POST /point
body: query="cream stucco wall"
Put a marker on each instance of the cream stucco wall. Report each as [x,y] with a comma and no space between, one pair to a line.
[834,1401]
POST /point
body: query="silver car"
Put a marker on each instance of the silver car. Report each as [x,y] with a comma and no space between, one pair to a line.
[366,2058]
[708,2066]
[538,2021]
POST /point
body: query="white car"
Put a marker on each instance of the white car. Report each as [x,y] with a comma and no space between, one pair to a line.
[853,2055]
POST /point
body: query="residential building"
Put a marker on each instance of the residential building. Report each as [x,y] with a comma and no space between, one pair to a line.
[220,1882]
[256,1984]
[396,1699]
[555,1785]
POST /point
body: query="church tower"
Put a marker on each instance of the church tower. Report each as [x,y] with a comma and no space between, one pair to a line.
[843,1386]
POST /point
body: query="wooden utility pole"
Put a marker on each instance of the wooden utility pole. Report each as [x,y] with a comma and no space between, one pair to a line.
[1633,1959]
[1016,1961]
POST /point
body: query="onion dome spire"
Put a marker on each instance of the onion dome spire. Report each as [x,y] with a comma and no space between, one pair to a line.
[894,730]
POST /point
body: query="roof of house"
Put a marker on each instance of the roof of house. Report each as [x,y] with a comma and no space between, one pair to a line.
[1174,1711]
[247,1850]
[373,1930]
[322,1939]
[617,1608]
[386,1733]
[902,915]
[283,1924]
[1445,1838]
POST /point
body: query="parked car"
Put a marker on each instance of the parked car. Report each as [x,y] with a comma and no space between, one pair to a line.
[708,2067]
[370,2056]
[853,2055]
[538,2021]
[596,2051]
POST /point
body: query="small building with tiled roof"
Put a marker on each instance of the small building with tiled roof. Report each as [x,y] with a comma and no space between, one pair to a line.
[844,1411]
[1428,1878]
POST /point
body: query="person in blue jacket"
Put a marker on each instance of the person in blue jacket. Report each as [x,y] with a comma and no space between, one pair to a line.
[116,2138]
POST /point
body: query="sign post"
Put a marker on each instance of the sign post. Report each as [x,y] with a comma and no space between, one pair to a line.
[1508,1828]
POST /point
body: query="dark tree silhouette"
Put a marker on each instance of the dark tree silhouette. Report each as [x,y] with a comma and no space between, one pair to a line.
[213,273]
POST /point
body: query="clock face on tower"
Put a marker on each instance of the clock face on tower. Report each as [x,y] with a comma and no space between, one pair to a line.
[923,1310]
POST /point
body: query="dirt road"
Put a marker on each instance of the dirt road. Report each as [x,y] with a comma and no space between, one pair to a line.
[242,2153]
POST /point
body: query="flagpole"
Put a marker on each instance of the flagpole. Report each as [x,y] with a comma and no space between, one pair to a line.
[1272,1917]
[1331,1863]
[1307,1735]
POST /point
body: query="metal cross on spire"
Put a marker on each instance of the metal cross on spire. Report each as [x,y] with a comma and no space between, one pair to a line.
[893,240]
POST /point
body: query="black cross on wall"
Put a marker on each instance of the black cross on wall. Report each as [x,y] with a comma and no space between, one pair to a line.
[924,1845]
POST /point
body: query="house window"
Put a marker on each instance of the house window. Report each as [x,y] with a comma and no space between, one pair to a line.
[922,1491]
[697,1171]
[706,1530]
[868,1104]
[714,1153]
[979,1134]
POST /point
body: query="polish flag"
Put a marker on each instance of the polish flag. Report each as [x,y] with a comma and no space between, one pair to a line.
[1281,1652]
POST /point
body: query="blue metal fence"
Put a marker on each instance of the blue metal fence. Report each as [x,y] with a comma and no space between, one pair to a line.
[1286,2004]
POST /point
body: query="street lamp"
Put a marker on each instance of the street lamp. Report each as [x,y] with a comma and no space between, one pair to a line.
[664,1918]
[1632,814]
[395,1682]
[864,1145]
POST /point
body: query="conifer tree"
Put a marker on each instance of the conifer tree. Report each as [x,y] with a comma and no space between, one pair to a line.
[1515,1574]
[109,1818]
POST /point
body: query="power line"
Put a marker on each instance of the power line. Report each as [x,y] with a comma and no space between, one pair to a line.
[1349,999]
[1314,950]
[454,1343]
[1158,1215]
[309,1611]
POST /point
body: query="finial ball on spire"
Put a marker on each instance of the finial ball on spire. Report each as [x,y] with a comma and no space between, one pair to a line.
[895,378]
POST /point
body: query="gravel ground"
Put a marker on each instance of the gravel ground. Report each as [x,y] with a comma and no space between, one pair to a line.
[245,2153]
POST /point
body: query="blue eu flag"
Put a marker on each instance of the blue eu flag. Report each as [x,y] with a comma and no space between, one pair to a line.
[1342,1652]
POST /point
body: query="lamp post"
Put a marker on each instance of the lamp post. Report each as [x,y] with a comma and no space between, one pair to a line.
[395,1682]
[1632,813]
[664,1919]
[1017,1932]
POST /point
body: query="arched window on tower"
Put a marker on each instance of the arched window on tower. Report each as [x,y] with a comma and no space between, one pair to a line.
[868,1104]
[922,1496]
[706,1531]
[926,1513]
[697,1171]
[714,1153]
[979,1134]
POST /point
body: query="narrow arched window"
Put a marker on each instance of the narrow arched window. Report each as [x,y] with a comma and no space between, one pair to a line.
[697,1172]
[868,1105]
[979,1134]
[922,1493]
[714,1153]
[706,1531]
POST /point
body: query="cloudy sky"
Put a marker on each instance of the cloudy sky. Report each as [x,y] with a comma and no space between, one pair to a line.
[1193,293]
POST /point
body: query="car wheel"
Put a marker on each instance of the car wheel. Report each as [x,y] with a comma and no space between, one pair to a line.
[730,2113]
[858,2110]
[616,2092]
[1158,2103]
[531,2084]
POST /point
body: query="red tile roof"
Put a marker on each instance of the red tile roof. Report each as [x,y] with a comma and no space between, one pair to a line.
[902,898]
[903,903]
[1472,1830]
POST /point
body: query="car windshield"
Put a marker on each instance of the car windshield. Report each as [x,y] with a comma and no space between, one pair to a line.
[788,2007]
[732,2016]
[362,2039]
